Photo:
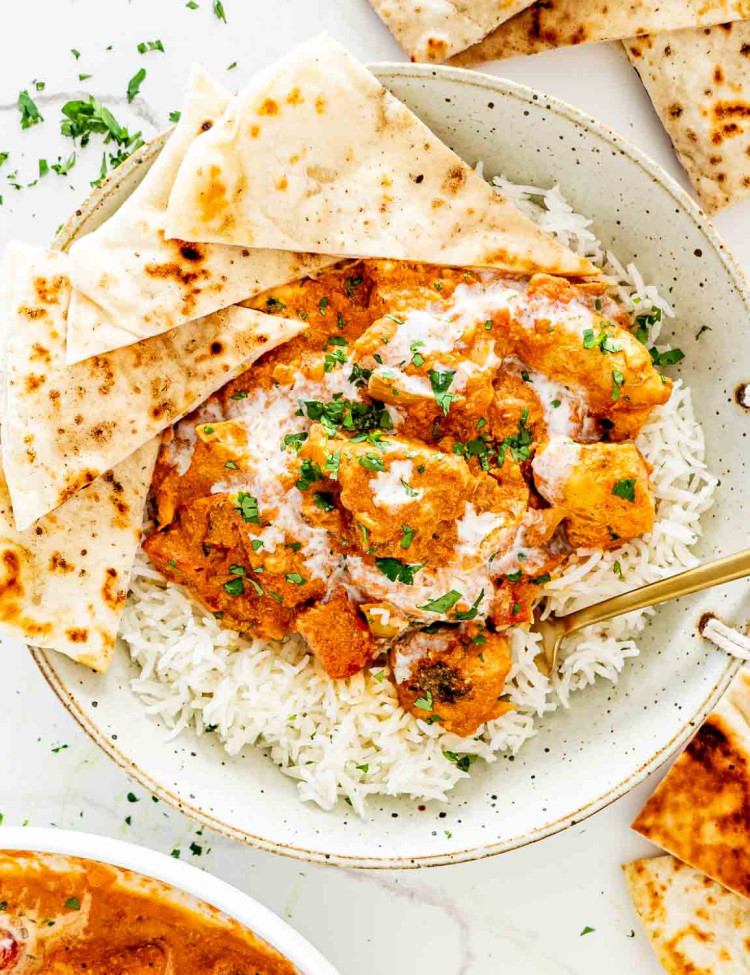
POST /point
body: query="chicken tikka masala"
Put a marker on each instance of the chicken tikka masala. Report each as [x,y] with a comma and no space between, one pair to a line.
[403,476]
[64,915]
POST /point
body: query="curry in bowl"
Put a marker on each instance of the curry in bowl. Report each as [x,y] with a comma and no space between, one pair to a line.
[400,478]
[61,915]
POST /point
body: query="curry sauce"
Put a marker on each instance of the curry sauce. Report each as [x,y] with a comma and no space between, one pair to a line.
[402,477]
[63,915]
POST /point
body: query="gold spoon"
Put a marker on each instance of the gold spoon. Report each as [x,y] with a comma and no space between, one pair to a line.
[555,629]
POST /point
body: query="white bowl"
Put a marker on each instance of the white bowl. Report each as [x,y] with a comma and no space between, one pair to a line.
[262,922]
[611,738]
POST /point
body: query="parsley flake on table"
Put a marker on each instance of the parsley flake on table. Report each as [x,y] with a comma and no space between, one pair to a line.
[669,357]
[30,114]
[150,46]
[587,930]
[175,116]
[464,762]
[134,85]
[219,10]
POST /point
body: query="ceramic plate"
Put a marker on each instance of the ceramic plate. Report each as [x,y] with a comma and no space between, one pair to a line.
[612,736]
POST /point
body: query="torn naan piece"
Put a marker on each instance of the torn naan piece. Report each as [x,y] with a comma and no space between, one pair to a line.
[433,30]
[558,23]
[699,82]
[701,811]
[316,155]
[130,283]
[66,425]
[694,924]
[64,581]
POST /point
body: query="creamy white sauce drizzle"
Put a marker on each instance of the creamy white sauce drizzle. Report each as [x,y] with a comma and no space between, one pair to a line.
[473,529]
[552,466]
[388,490]
[563,419]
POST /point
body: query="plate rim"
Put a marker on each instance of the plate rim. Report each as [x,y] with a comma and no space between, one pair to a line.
[44,659]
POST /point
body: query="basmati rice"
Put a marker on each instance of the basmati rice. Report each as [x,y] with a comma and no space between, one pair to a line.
[350,738]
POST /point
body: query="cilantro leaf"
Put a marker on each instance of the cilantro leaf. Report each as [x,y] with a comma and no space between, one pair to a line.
[247,506]
[398,571]
[625,489]
[441,383]
[134,85]
[443,603]
[30,114]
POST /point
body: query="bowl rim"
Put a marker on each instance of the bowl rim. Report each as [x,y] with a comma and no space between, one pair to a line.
[183,876]
[45,660]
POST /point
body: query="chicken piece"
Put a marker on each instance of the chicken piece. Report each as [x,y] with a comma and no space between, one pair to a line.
[603,488]
[524,397]
[455,675]
[337,635]
[209,550]
[434,367]
[559,335]
[401,495]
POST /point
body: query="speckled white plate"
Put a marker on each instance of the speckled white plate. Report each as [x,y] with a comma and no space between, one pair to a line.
[613,736]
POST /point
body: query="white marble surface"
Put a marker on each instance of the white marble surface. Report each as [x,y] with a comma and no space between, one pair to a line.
[520,913]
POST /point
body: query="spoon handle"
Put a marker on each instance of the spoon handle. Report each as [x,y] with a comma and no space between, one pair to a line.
[705,576]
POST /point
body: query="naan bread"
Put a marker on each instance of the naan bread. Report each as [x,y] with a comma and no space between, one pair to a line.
[66,425]
[699,82]
[701,811]
[129,283]
[64,581]
[316,155]
[556,23]
[433,30]
[695,926]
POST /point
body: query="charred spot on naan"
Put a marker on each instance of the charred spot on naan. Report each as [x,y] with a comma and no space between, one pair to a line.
[50,290]
[113,596]
[77,634]
[74,484]
[58,563]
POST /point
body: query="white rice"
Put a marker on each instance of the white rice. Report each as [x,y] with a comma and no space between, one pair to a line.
[350,738]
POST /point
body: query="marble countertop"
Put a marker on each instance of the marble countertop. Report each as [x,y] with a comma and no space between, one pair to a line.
[523,912]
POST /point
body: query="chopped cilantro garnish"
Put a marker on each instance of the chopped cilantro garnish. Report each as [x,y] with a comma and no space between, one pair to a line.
[349,414]
[363,768]
[602,341]
[322,305]
[175,116]
[238,570]
[469,614]
[132,797]
[540,580]
[84,77]
[359,376]
[331,466]
[441,383]
[134,85]
[514,576]
[191,5]
[464,762]
[643,323]
[625,488]
[443,603]
[556,403]
[618,381]
[398,571]
[235,587]
[293,440]
[587,930]
[196,849]
[372,462]
[333,359]
[309,473]
[76,54]
[219,10]
[150,46]
[351,284]
[231,465]
[323,500]
[30,114]
[295,578]
[256,586]
[247,506]
[257,543]
[73,904]
[668,358]
[425,703]
[516,608]
[617,569]
[408,536]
